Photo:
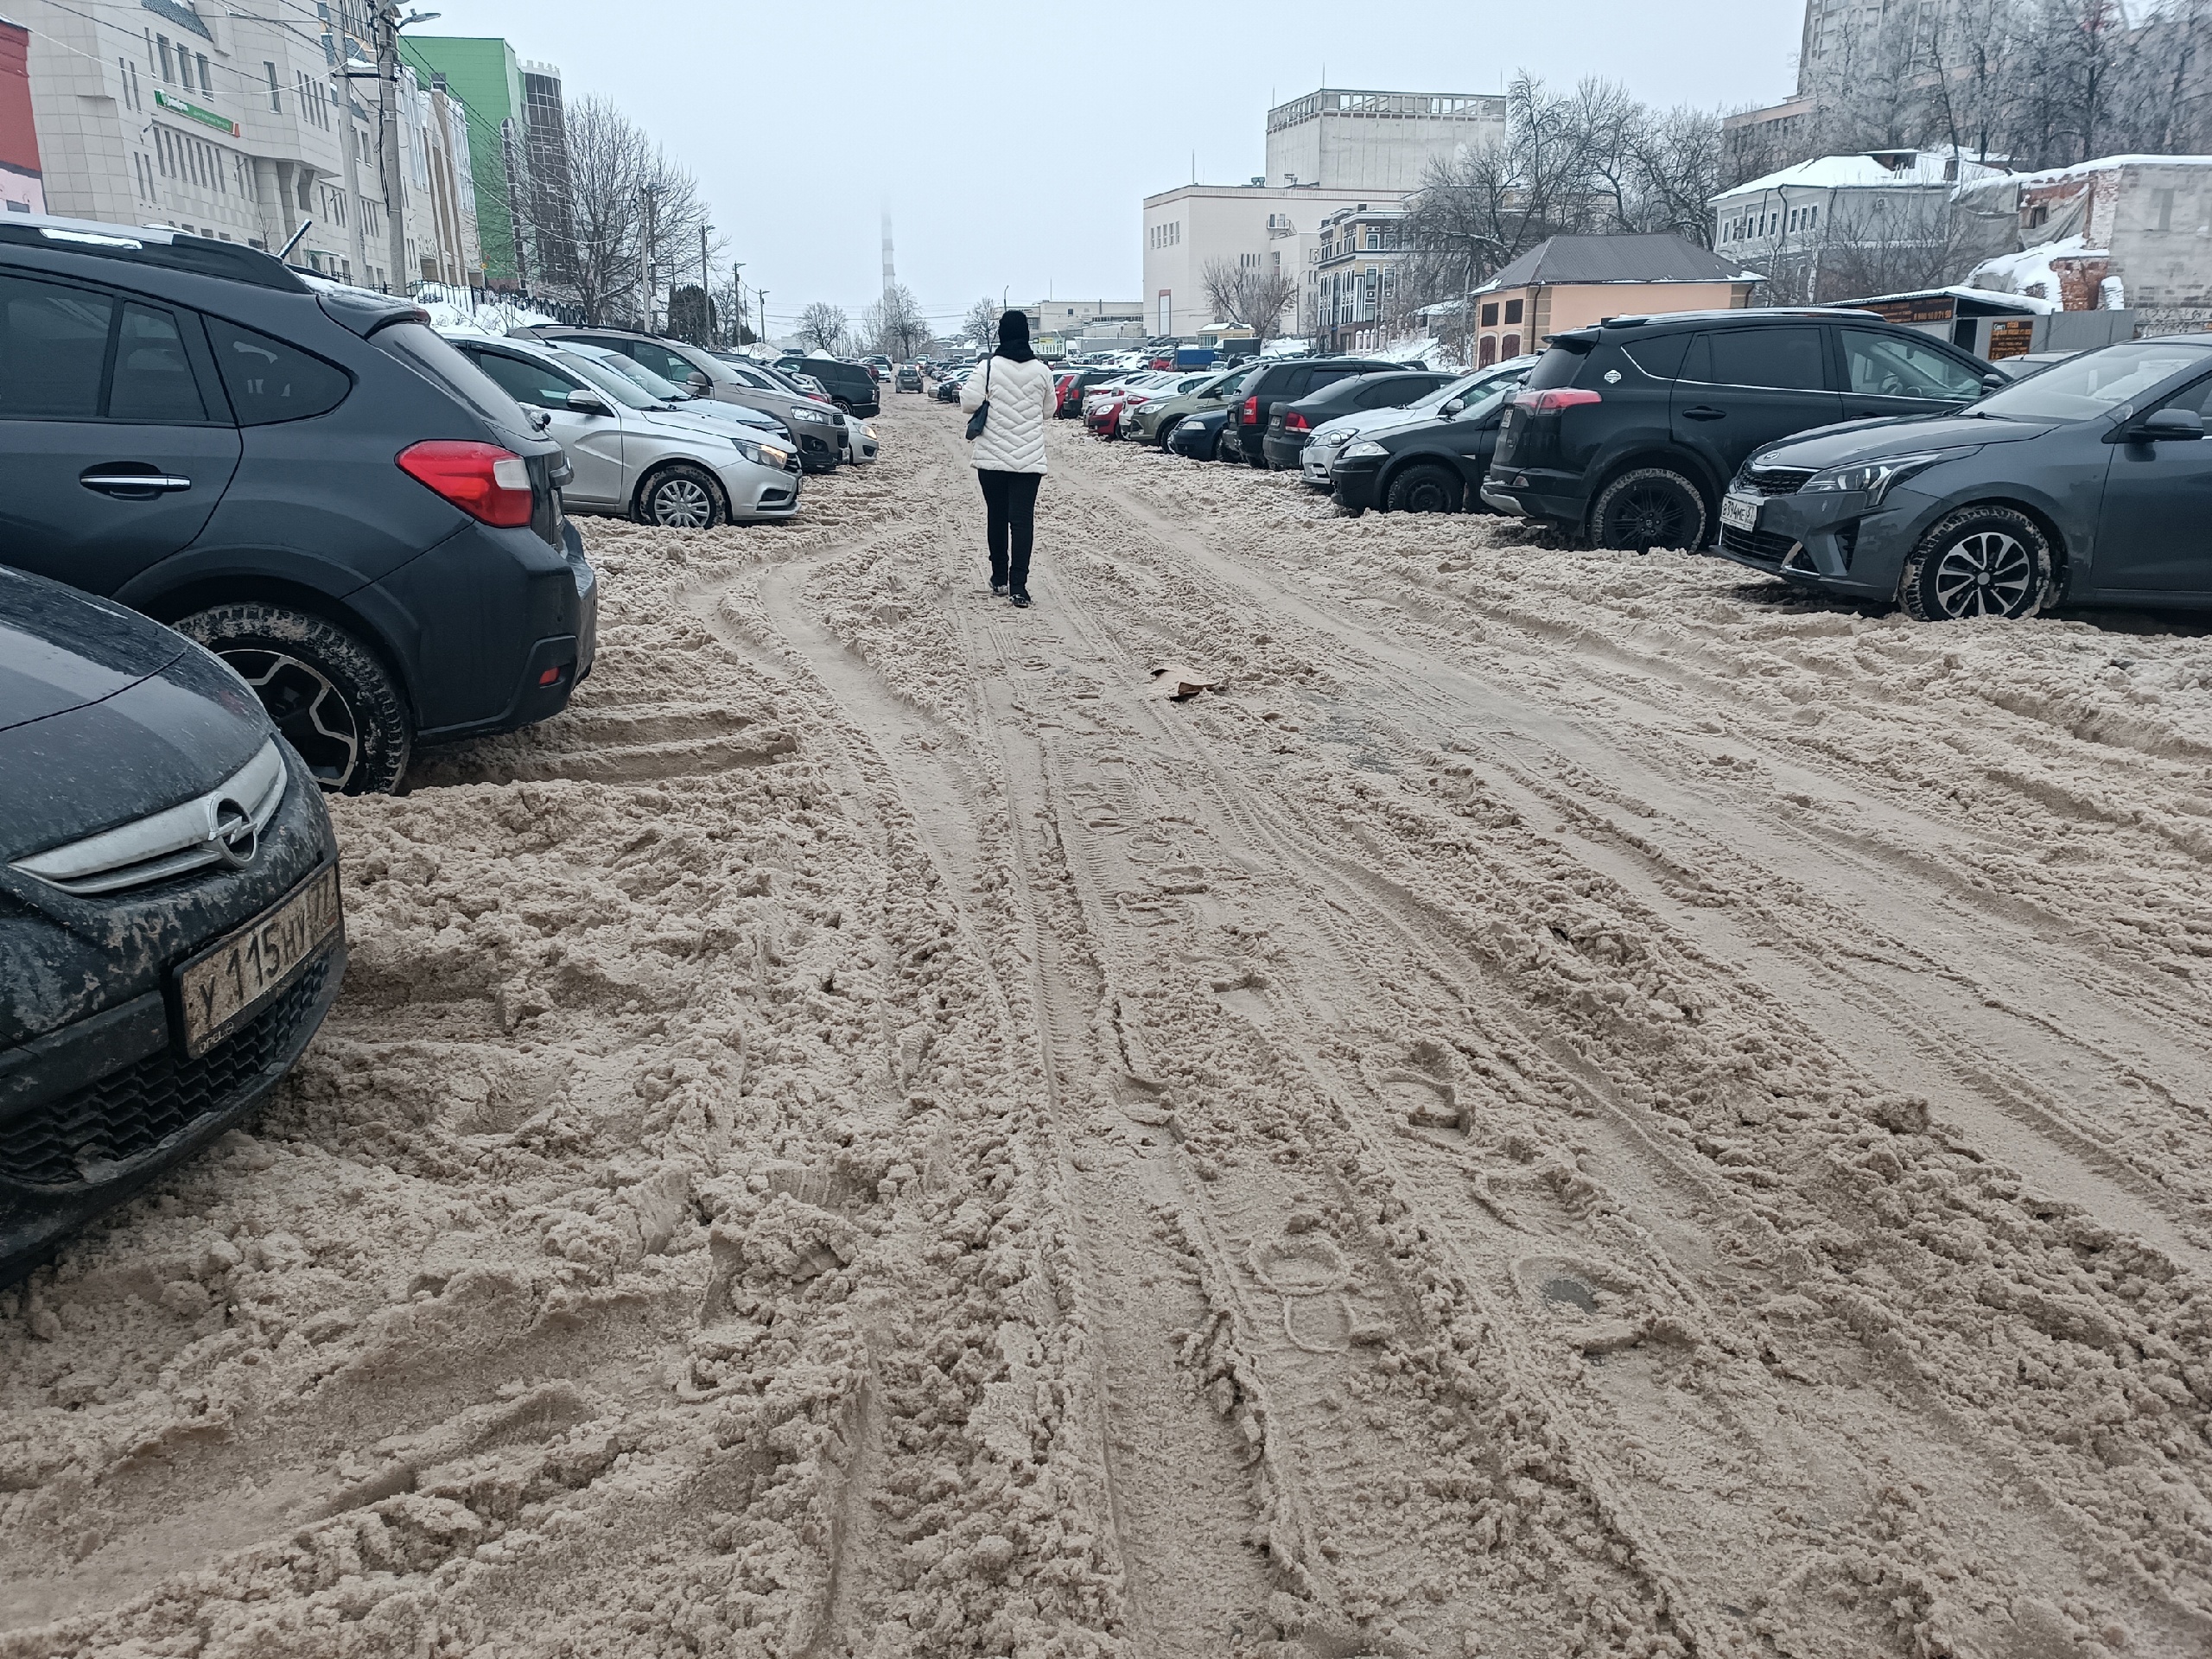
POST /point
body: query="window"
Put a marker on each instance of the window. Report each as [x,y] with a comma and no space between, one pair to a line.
[1512,314]
[161,42]
[206,85]
[52,350]
[1882,366]
[153,377]
[1489,315]
[2162,208]
[1509,347]
[1660,357]
[1788,358]
[526,380]
[276,95]
[1487,353]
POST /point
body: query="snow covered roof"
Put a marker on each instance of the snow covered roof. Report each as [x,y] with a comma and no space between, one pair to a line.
[1863,172]
[1960,291]
[2106,164]
[1582,259]
[2015,273]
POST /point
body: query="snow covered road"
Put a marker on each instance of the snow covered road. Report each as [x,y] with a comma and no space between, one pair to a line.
[1571,1104]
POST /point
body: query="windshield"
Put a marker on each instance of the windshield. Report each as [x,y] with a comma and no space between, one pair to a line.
[630,369]
[2093,384]
[1486,402]
[630,394]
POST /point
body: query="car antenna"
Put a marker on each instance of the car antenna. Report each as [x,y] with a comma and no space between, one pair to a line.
[306,224]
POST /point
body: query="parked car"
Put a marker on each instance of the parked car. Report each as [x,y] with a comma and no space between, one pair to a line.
[879,367]
[909,379]
[1626,434]
[850,385]
[1432,465]
[2085,484]
[636,456]
[170,936]
[1197,435]
[1285,380]
[818,428]
[597,361]
[1160,417]
[1330,437]
[1291,425]
[947,390]
[303,477]
[1070,404]
[861,445]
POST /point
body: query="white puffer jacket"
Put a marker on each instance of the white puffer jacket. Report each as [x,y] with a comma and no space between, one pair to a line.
[1021,402]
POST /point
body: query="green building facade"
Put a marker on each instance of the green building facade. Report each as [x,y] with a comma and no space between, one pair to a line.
[485,76]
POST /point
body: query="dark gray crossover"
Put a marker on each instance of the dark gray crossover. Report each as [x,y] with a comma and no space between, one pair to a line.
[303,477]
[170,936]
[2088,483]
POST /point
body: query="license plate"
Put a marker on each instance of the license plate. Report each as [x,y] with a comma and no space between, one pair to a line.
[1741,512]
[226,985]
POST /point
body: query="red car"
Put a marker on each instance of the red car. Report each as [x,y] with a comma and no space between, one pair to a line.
[1104,415]
[1066,396]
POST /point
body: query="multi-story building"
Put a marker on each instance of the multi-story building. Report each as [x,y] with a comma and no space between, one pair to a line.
[227,123]
[1373,142]
[1254,227]
[1351,277]
[519,156]
[2125,232]
[22,187]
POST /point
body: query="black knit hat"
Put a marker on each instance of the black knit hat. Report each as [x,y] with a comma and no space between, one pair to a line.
[1014,337]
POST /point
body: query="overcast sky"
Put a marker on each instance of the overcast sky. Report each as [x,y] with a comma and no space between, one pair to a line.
[1013,144]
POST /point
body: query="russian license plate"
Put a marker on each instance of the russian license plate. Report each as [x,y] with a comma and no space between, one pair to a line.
[226,985]
[1741,512]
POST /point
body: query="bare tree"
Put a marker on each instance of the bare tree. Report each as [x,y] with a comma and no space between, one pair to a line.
[1891,245]
[822,326]
[981,325]
[608,155]
[895,324]
[1253,296]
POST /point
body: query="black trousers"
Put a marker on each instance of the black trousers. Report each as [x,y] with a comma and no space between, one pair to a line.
[1010,517]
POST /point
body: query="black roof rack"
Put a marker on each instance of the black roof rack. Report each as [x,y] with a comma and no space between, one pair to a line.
[149,245]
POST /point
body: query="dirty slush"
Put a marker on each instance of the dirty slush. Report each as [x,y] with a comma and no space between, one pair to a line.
[1525,1102]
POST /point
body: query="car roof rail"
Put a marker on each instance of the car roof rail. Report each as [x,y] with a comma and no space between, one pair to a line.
[157,246]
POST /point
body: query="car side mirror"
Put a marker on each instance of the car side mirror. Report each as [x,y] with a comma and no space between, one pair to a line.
[698,383]
[2164,424]
[1453,407]
[581,402]
[1995,380]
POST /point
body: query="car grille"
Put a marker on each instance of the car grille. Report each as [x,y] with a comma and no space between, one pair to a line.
[1756,544]
[1775,480]
[78,1140]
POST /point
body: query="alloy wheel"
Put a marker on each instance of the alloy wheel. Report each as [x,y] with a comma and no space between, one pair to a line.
[682,504]
[1648,515]
[1985,574]
[311,712]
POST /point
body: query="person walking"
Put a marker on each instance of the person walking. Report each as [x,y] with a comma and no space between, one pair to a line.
[1015,393]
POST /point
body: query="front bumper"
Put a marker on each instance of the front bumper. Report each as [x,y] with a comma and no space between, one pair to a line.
[93,1108]
[755,492]
[1357,482]
[1315,462]
[1837,541]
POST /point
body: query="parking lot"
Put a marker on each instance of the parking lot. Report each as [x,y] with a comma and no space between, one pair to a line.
[1502,1124]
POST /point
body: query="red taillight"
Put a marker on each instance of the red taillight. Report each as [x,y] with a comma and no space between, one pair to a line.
[1543,402]
[482,479]
[1295,422]
[1251,411]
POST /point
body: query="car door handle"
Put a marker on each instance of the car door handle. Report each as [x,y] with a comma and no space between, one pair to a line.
[110,482]
[1704,412]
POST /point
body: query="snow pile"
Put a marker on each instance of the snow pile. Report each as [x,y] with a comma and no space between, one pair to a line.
[2029,272]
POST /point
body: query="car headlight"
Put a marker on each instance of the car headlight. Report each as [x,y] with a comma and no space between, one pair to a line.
[819,416]
[869,432]
[770,454]
[1874,478]
[1363,450]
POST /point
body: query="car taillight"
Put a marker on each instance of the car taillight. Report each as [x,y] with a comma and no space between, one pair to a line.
[1543,402]
[1251,411]
[482,479]
[1295,422]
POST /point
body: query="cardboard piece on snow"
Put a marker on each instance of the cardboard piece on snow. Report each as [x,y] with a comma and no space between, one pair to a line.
[1179,682]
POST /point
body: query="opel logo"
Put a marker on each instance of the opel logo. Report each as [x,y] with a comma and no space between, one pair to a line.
[236,841]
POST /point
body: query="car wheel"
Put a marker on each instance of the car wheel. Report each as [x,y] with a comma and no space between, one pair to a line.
[1977,562]
[329,695]
[1649,507]
[681,496]
[1166,436]
[1425,489]
[844,406]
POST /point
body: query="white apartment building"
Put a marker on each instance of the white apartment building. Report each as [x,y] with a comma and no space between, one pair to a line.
[231,125]
[1188,228]
[1375,141]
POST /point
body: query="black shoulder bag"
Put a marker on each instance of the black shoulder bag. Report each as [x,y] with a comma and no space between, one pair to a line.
[981,417]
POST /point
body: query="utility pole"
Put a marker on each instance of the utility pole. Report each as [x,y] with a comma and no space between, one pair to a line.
[653,200]
[389,22]
[763,292]
[737,312]
[706,289]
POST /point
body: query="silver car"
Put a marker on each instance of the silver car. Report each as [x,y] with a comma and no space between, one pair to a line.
[675,396]
[1331,436]
[634,456]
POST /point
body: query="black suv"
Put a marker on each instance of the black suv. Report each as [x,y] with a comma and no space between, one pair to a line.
[850,386]
[1286,382]
[170,936]
[1628,433]
[1290,427]
[303,477]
